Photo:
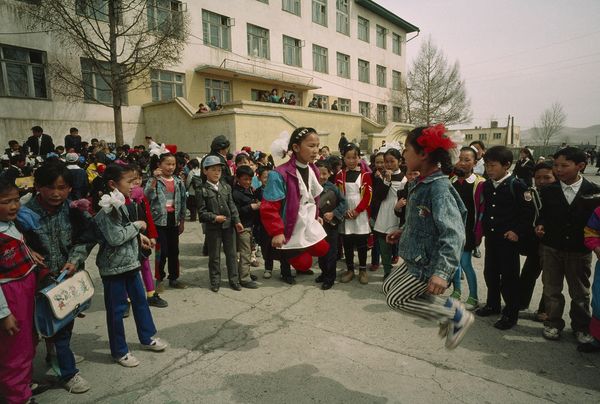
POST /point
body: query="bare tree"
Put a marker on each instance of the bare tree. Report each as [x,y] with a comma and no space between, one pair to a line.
[118,43]
[550,123]
[435,91]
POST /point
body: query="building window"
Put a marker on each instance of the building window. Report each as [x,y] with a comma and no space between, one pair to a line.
[381,37]
[342,17]
[396,44]
[292,51]
[397,114]
[363,29]
[319,12]
[165,16]
[363,71]
[343,65]
[94,9]
[291,6]
[469,136]
[220,89]
[166,85]
[320,59]
[259,95]
[22,73]
[381,75]
[497,136]
[382,114]
[344,104]
[258,42]
[216,30]
[96,82]
[364,108]
[483,136]
[396,80]
[264,1]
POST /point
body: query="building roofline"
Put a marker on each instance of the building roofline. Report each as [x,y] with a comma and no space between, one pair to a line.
[388,15]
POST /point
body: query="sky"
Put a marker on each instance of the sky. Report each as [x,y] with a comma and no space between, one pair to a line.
[517,57]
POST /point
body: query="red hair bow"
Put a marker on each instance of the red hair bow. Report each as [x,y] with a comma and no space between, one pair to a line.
[433,138]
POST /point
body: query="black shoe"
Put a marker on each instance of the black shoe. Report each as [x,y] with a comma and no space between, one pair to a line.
[38,388]
[156,301]
[326,285]
[215,288]
[487,311]
[249,285]
[309,272]
[320,279]
[253,277]
[235,286]
[290,280]
[505,323]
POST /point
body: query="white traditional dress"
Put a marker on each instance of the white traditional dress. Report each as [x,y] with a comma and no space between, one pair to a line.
[387,221]
[359,225]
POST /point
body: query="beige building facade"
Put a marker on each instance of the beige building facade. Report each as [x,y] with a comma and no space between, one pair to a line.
[238,51]
[494,135]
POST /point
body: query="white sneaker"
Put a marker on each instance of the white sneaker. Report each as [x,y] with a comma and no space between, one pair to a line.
[156,345]
[583,337]
[457,331]
[129,361]
[551,333]
[77,385]
[267,274]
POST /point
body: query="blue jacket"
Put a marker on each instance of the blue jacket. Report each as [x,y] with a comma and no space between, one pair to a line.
[434,233]
[158,200]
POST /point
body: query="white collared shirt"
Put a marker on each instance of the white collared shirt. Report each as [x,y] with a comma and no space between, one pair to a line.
[215,186]
[570,191]
[500,181]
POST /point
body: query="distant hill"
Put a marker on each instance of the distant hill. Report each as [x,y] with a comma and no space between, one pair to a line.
[573,136]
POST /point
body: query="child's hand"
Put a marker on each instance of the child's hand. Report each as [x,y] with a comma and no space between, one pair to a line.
[220,219]
[152,242]
[37,258]
[436,285]
[512,236]
[328,217]
[320,220]
[145,241]
[239,227]
[70,268]
[387,175]
[278,241]
[597,252]
[140,224]
[157,173]
[400,204]
[255,206]
[9,325]
[393,237]
[181,226]
[539,231]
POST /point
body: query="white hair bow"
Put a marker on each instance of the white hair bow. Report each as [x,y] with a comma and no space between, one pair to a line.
[111,201]
[457,138]
[279,147]
[159,150]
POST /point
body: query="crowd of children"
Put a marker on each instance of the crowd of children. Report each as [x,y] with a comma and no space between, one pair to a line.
[427,202]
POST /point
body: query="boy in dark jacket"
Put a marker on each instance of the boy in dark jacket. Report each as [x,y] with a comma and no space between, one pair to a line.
[217,209]
[563,217]
[507,219]
[247,205]
[332,207]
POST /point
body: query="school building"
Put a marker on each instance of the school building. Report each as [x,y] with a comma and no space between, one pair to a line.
[509,135]
[349,51]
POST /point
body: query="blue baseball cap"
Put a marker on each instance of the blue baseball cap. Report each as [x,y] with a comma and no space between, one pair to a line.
[210,161]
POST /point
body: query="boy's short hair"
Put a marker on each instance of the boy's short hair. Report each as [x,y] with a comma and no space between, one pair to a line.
[73,130]
[260,170]
[7,185]
[37,129]
[11,143]
[573,154]
[50,171]
[244,170]
[544,165]
[323,163]
[501,154]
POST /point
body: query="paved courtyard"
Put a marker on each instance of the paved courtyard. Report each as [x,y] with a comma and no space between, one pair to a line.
[298,344]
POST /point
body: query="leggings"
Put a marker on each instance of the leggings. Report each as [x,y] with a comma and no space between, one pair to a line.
[168,239]
[405,292]
[358,241]
[467,266]
[147,276]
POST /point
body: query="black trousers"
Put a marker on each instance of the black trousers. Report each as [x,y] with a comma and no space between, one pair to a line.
[358,241]
[501,273]
[529,275]
[266,249]
[168,238]
[214,238]
[327,263]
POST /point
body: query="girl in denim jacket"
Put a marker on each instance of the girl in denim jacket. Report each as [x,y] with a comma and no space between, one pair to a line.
[432,238]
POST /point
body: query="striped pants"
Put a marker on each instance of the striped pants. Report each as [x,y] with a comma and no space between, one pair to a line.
[404,292]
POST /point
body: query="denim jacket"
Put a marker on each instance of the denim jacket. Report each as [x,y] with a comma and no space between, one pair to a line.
[158,200]
[118,239]
[434,233]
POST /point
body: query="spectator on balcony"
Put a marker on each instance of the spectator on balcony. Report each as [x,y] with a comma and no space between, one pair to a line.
[264,96]
[320,103]
[283,99]
[202,109]
[292,100]
[212,104]
[334,106]
[313,103]
[274,97]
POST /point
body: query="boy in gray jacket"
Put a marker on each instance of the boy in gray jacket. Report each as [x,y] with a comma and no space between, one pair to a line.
[217,209]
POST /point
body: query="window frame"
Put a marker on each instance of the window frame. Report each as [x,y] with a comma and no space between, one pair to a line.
[396,80]
[361,70]
[497,136]
[382,114]
[396,113]
[323,57]
[95,75]
[381,73]
[174,13]
[296,48]
[28,66]
[381,36]
[344,104]
[340,62]
[223,30]
[361,105]
[342,17]
[209,91]
[157,83]
[85,9]
[319,10]
[366,27]
[263,42]
[292,7]
[483,136]
[396,44]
